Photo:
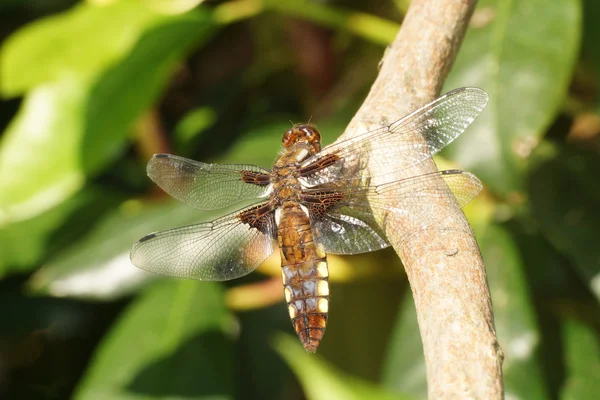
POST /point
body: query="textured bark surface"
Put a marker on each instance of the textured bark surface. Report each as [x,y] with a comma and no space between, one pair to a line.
[444,265]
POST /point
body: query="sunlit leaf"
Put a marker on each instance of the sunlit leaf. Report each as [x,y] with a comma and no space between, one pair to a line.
[125,90]
[70,128]
[523,54]
[321,381]
[42,144]
[173,6]
[45,50]
[173,342]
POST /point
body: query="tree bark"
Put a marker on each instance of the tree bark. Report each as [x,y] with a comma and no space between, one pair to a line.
[443,264]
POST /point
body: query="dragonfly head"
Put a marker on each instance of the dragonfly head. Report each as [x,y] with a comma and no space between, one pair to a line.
[303,133]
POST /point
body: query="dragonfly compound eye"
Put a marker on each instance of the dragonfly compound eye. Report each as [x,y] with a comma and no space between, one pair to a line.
[289,138]
[310,133]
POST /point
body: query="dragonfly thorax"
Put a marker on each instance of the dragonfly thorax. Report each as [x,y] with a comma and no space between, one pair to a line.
[286,185]
[286,172]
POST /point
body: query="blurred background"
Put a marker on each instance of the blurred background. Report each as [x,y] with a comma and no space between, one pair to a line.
[91,89]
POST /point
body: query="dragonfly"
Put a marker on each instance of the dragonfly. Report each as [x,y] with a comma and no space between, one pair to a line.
[314,201]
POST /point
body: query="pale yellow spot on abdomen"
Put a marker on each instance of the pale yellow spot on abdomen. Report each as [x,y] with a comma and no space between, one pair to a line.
[323,305]
[292,311]
[322,269]
[323,288]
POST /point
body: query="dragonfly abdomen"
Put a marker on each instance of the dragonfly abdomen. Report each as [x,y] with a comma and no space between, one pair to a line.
[307,298]
[305,276]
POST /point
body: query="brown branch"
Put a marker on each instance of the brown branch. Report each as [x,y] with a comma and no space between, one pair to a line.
[444,265]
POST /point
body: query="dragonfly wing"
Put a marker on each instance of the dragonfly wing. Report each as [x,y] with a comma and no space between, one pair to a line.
[227,248]
[422,201]
[208,186]
[349,230]
[400,145]
[414,201]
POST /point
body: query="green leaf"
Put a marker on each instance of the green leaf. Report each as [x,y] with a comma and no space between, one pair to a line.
[259,146]
[24,244]
[193,124]
[591,34]
[124,91]
[173,342]
[404,369]
[320,381]
[173,6]
[99,267]
[366,307]
[582,354]
[369,27]
[71,128]
[551,283]
[514,314]
[42,143]
[45,50]
[523,54]
[263,374]
[564,195]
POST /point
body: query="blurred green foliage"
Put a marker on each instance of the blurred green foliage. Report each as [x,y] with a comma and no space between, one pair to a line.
[91,89]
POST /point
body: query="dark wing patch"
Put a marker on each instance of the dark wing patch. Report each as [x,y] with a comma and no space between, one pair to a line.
[259,217]
[255,178]
[318,164]
[319,202]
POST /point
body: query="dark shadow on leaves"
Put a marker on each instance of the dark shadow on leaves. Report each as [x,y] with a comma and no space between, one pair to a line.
[203,366]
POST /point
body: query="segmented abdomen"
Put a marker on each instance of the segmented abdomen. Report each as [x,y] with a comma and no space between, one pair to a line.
[304,272]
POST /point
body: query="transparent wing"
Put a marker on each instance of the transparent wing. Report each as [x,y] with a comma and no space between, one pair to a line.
[227,248]
[208,186]
[432,127]
[350,226]
[349,231]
